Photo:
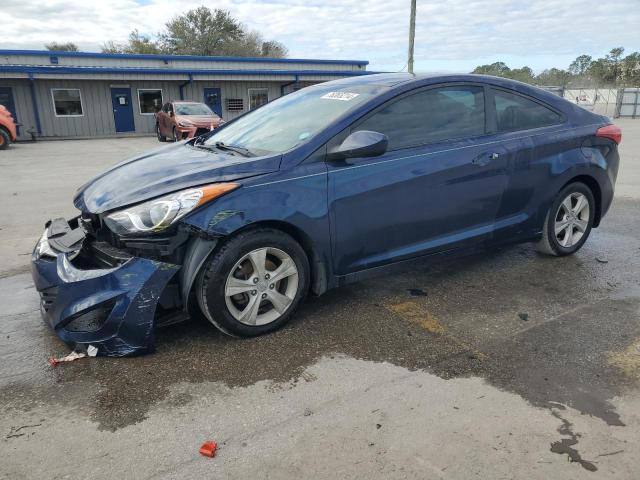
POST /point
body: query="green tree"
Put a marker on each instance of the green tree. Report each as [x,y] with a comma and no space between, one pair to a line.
[137,43]
[524,74]
[613,58]
[498,69]
[61,47]
[203,31]
[274,49]
[601,73]
[580,66]
[630,70]
[556,77]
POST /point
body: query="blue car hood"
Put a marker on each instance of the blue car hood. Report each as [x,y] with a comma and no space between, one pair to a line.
[163,171]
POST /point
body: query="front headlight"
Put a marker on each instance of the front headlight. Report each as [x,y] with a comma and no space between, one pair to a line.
[157,214]
[184,123]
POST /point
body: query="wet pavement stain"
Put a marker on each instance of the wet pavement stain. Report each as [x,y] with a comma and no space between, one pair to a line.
[566,445]
[413,313]
[628,360]
[561,354]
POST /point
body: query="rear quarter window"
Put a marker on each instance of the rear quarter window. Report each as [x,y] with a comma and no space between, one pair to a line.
[516,112]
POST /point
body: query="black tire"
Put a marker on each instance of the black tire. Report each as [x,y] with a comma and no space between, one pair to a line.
[549,243]
[161,138]
[210,286]
[4,139]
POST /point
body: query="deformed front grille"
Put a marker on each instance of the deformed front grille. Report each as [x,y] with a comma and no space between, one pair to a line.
[47,297]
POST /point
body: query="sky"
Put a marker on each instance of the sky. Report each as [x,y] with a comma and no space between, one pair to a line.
[451,35]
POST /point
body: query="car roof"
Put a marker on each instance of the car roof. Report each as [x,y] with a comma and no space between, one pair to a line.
[397,78]
[406,81]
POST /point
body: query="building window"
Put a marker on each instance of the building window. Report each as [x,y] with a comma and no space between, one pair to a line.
[235,104]
[67,102]
[150,100]
[258,97]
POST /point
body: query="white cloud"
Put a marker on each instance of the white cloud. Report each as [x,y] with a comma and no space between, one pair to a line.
[450,35]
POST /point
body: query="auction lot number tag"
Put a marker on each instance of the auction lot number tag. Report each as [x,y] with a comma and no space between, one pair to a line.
[344,96]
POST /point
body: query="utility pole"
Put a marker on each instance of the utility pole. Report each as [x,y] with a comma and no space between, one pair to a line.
[412,35]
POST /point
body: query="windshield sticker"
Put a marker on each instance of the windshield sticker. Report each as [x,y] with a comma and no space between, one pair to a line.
[344,96]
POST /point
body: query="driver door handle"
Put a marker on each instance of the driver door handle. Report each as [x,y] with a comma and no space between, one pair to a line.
[484,158]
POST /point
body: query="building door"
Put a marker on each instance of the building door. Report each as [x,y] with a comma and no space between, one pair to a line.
[6,99]
[213,100]
[122,110]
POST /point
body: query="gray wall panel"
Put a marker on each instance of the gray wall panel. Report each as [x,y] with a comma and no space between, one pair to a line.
[97,119]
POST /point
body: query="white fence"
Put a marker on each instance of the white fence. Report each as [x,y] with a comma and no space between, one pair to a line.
[612,102]
[603,101]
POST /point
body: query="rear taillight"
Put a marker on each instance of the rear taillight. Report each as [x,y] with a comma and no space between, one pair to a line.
[612,132]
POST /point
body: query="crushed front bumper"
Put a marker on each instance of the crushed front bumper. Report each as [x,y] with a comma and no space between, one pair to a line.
[110,305]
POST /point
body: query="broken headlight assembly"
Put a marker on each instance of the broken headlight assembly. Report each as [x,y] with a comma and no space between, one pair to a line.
[159,213]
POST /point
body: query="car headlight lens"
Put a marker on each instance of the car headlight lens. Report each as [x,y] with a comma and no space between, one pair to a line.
[185,124]
[157,214]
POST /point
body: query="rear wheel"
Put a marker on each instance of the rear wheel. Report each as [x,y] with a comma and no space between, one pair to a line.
[161,138]
[4,139]
[569,221]
[253,284]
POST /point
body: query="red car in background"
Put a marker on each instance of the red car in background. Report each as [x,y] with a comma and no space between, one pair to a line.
[179,120]
[7,128]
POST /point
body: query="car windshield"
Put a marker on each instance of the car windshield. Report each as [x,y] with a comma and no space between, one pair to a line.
[192,109]
[293,119]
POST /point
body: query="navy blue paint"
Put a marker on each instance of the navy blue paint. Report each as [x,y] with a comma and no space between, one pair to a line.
[135,287]
[51,69]
[122,114]
[10,105]
[420,201]
[197,58]
[360,215]
[34,103]
[165,170]
[213,98]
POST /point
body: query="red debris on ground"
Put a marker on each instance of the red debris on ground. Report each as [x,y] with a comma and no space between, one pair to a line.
[208,449]
[69,358]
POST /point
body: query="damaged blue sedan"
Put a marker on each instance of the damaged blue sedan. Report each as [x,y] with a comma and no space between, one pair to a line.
[316,189]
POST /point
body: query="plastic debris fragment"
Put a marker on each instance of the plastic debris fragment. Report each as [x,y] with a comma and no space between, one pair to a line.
[92,351]
[69,358]
[208,449]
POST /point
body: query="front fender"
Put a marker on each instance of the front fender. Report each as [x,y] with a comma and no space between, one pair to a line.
[296,200]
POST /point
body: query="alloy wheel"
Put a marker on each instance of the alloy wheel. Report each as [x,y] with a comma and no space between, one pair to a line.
[261,286]
[571,219]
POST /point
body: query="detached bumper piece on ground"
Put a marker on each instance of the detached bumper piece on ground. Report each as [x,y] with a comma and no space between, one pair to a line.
[107,298]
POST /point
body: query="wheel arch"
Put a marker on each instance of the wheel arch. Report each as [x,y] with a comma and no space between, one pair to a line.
[200,249]
[594,186]
[318,265]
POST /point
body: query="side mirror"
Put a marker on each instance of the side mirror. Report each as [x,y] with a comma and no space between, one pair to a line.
[360,144]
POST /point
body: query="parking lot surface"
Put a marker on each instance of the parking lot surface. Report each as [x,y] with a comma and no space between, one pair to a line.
[507,364]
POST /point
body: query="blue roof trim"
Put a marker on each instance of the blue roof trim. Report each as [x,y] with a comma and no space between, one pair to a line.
[196,58]
[31,69]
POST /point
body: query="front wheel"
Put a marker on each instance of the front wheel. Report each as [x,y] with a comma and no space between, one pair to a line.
[253,284]
[161,138]
[4,139]
[569,221]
